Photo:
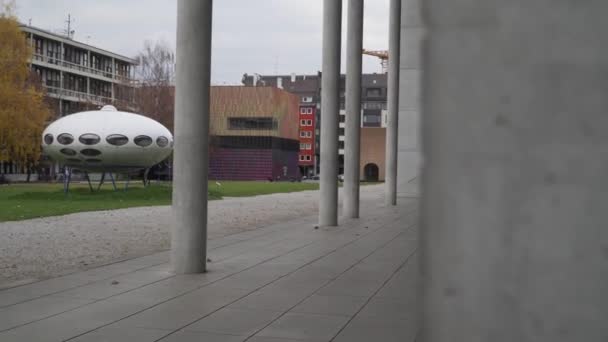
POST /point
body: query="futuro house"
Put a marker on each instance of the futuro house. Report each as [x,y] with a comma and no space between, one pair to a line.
[107,140]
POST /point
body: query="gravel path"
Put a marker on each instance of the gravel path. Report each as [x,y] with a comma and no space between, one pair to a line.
[41,248]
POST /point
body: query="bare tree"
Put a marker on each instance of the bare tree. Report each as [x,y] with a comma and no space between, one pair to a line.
[155,74]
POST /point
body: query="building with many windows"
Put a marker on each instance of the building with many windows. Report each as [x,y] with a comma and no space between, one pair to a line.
[253,134]
[79,76]
[308,88]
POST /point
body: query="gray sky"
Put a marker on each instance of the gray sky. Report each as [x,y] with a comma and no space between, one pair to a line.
[263,36]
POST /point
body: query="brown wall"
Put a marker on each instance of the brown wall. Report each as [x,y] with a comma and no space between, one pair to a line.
[373,142]
[240,101]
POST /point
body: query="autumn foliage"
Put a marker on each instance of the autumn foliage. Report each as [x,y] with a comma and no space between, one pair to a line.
[23,112]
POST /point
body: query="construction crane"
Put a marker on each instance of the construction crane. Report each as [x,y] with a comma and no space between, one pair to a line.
[382,54]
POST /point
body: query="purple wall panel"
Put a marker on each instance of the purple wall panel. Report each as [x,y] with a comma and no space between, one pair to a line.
[252,164]
[240,164]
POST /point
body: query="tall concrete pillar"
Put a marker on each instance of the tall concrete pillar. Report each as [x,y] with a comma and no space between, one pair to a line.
[353,108]
[392,128]
[330,111]
[408,158]
[515,244]
[193,76]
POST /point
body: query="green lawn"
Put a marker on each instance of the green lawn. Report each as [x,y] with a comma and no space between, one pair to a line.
[23,201]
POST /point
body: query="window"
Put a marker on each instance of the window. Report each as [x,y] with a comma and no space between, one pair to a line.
[162,141]
[302,146]
[308,146]
[302,122]
[374,92]
[117,139]
[301,158]
[309,122]
[303,134]
[48,139]
[65,139]
[142,140]
[252,123]
[309,110]
[307,99]
[89,139]
[90,152]
[302,110]
[341,131]
[67,151]
[373,105]
[309,134]
[308,158]
[371,120]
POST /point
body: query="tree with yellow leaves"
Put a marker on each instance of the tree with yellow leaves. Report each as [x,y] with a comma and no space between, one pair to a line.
[23,112]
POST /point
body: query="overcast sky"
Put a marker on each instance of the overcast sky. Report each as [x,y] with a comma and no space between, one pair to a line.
[250,36]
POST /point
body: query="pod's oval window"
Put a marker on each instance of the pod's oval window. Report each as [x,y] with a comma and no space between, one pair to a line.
[90,152]
[142,140]
[65,138]
[89,139]
[68,151]
[117,139]
[48,139]
[162,141]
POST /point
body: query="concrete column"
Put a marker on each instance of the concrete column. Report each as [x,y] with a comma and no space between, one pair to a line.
[191,154]
[353,108]
[330,111]
[408,160]
[394,27]
[515,245]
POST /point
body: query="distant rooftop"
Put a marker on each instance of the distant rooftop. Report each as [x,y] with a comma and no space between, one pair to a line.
[65,39]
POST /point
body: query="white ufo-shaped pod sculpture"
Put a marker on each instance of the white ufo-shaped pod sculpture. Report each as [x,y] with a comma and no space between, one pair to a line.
[107,140]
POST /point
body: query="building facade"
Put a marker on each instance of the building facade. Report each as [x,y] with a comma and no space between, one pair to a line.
[253,136]
[78,76]
[308,88]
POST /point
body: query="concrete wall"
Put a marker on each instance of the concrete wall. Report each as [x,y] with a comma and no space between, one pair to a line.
[373,150]
[515,207]
[409,99]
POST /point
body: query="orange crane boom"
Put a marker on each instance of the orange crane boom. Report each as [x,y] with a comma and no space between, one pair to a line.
[382,55]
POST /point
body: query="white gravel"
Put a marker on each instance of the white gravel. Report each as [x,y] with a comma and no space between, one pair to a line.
[46,247]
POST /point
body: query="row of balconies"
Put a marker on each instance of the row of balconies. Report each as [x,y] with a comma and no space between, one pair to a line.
[79,67]
[85,97]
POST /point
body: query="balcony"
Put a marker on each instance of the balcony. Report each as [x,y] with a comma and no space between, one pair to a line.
[88,98]
[81,68]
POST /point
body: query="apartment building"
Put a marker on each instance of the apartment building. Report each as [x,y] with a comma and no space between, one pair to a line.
[79,76]
[253,134]
[308,88]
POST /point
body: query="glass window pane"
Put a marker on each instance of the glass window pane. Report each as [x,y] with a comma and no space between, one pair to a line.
[65,139]
[117,139]
[89,139]
[142,140]
[162,141]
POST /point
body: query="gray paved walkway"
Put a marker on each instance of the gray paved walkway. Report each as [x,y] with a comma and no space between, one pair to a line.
[286,282]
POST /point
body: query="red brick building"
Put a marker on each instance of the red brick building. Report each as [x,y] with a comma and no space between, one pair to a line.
[306,133]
